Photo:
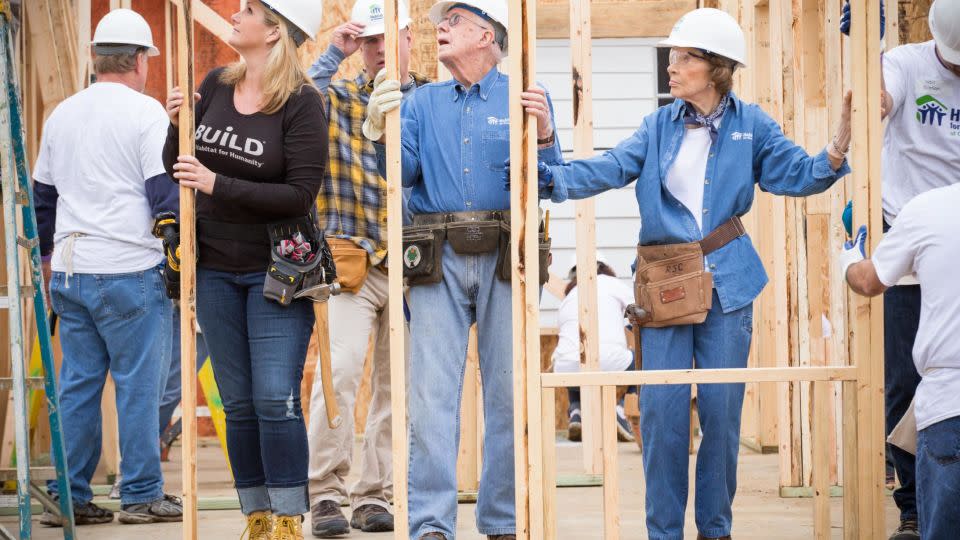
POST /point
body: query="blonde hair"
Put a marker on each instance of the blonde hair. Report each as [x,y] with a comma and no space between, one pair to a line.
[283,75]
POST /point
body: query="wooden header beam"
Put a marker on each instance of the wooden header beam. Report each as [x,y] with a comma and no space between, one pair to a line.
[698,376]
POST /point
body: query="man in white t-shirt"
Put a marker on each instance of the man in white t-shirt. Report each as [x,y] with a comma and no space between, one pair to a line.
[99,180]
[924,241]
[613,297]
[921,151]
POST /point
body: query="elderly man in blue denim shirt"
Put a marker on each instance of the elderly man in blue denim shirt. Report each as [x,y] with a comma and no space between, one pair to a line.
[455,139]
[696,163]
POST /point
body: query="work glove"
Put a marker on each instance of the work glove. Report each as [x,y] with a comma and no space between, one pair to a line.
[166,228]
[544,178]
[845,19]
[386,96]
[853,251]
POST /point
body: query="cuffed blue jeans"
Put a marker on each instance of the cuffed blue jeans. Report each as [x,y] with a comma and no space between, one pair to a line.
[938,479]
[721,341]
[118,323]
[258,349]
[440,319]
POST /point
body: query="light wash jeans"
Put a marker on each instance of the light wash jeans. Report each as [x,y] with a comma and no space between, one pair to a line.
[440,319]
[258,348]
[721,341]
[118,323]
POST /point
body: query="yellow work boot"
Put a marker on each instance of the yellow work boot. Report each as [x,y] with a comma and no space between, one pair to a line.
[287,528]
[259,526]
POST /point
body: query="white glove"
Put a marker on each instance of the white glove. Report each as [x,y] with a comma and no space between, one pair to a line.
[386,96]
[853,251]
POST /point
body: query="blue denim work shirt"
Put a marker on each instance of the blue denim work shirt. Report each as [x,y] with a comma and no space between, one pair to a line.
[454,141]
[750,149]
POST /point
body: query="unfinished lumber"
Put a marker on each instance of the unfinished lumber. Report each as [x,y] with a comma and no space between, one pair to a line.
[586,232]
[398,372]
[524,256]
[549,436]
[188,277]
[468,459]
[866,324]
[611,484]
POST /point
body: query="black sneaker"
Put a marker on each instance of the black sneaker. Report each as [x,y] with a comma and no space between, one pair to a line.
[907,530]
[574,425]
[165,509]
[624,429]
[327,521]
[372,518]
[83,514]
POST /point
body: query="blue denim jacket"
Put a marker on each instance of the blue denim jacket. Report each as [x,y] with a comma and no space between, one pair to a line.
[750,149]
[454,142]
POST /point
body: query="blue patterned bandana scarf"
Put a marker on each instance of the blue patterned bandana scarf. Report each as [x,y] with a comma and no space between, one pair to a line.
[693,118]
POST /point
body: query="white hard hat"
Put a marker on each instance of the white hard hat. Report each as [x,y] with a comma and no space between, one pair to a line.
[124,27]
[370,12]
[494,9]
[712,30]
[304,14]
[944,20]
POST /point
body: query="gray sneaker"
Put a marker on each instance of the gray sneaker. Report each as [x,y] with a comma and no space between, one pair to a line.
[165,509]
[907,530]
[83,514]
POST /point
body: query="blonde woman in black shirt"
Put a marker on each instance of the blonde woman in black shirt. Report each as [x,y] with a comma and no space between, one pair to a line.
[261,154]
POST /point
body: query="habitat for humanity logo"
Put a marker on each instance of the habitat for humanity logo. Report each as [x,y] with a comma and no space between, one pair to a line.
[931,111]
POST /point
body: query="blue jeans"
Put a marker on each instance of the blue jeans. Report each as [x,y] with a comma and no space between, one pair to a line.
[938,478]
[116,323]
[258,350]
[170,396]
[901,318]
[440,319]
[721,341]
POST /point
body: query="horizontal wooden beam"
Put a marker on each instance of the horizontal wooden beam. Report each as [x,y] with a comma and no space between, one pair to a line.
[701,376]
[209,19]
[639,18]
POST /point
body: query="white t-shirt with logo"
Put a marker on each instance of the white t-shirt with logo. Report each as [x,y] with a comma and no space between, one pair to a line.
[613,297]
[925,238]
[98,148]
[921,144]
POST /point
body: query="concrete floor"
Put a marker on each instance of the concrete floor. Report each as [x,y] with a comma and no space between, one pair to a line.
[758,512]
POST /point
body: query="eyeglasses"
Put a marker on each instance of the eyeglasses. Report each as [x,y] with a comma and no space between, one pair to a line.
[683,58]
[454,19]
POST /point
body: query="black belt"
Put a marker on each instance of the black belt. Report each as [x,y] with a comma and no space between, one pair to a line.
[442,218]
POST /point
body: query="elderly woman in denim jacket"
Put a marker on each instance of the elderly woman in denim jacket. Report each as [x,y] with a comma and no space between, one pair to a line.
[695,163]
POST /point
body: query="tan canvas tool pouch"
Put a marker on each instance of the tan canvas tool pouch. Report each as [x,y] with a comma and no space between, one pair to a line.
[352,263]
[672,287]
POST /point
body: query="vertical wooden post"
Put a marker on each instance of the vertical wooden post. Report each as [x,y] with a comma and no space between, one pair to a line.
[586,225]
[611,486]
[111,427]
[398,371]
[549,433]
[821,400]
[851,469]
[525,273]
[866,313]
[188,277]
[468,470]
[83,43]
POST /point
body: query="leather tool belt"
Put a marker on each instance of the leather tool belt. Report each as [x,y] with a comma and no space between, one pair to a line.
[467,233]
[672,287]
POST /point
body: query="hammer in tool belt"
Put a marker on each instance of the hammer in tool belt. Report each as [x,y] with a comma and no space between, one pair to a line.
[321,311]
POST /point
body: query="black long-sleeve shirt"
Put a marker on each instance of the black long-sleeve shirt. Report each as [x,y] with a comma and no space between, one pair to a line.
[269,168]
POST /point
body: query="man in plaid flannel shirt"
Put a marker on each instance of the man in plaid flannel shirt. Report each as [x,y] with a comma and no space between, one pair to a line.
[352,206]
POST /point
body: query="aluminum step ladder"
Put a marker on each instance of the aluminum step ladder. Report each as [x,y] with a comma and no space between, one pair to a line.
[17,192]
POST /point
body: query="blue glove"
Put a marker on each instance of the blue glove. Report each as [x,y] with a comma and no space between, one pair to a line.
[847,218]
[845,19]
[544,178]
[853,251]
